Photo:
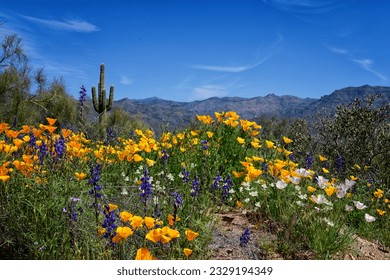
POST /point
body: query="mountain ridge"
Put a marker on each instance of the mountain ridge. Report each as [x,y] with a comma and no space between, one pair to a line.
[178,114]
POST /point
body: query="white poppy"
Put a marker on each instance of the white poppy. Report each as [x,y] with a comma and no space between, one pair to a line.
[302,172]
[359,205]
[295,180]
[281,185]
[349,183]
[341,193]
[318,199]
[321,181]
[369,218]
[253,193]
[348,208]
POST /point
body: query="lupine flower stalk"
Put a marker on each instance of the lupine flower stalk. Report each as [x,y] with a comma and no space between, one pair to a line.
[146,188]
[227,185]
[245,237]
[95,171]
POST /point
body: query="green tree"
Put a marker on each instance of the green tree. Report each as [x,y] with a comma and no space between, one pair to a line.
[15,81]
[359,133]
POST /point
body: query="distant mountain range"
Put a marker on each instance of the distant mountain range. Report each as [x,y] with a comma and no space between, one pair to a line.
[158,112]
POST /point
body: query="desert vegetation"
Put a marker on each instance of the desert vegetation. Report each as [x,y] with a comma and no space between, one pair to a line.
[72,187]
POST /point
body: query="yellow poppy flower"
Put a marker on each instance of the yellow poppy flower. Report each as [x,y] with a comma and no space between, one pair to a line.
[125,216]
[240,140]
[112,207]
[378,193]
[80,176]
[4,178]
[154,235]
[51,121]
[150,162]
[380,212]
[287,140]
[353,178]
[322,158]
[171,220]
[124,232]
[137,158]
[191,235]
[136,221]
[326,171]
[149,222]
[172,233]
[330,190]
[144,254]
[270,144]
[187,252]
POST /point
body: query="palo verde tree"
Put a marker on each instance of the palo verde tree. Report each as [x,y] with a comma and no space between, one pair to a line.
[15,82]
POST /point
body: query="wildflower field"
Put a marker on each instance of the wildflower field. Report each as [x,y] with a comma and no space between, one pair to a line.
[63,196]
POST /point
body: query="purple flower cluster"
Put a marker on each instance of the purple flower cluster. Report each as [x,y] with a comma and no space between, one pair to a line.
[111,136]
[82,96]
[217,179]
[309,161]
[59,148]
[245,237]
[227,185]
[42,153]
[185,175]
[32,143]
[164,157]
[109,223]
[195,187]
[177,199]
[205,145]
[95,171]
[264,167]
[339,163]
[73,213]
[146,187]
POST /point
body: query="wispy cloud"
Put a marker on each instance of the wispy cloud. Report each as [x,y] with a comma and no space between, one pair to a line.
[126,81]
[364,63]
[303,6]
[267,53]
[337,50]
[207,91]
[228,69]
[73,25]
[367,64]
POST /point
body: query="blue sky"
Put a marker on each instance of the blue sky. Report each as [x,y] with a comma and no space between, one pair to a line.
[193,50]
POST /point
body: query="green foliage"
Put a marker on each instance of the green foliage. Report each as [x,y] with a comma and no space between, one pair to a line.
[360,134]
[14,79]
[55,102]
[123,123]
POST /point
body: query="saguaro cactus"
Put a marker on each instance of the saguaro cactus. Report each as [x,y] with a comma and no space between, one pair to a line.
[100,103]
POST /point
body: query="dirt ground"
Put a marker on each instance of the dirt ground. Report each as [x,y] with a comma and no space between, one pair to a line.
[226,242]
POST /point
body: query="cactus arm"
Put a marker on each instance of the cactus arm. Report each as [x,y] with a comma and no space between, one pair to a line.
[95,100]
[110,99]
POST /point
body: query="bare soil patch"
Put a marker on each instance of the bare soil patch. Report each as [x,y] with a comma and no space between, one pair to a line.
[232,224]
